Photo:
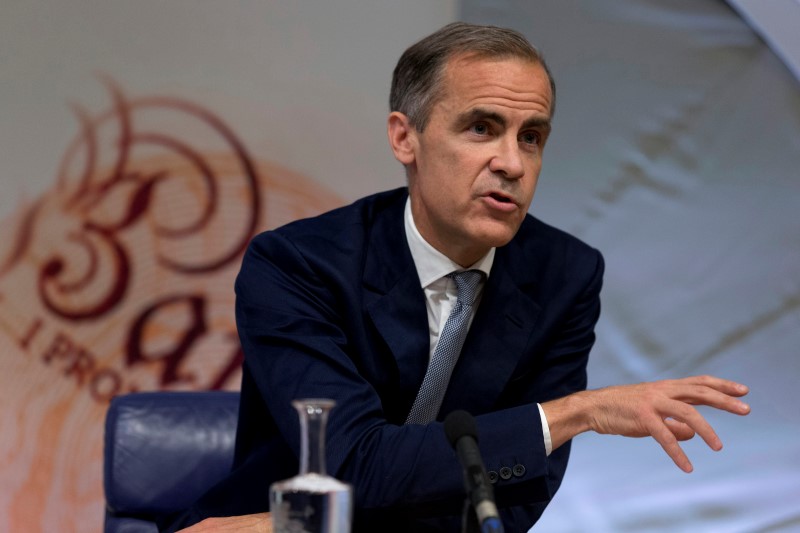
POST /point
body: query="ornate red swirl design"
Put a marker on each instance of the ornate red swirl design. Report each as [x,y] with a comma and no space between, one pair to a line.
[105,187]
[53,268]
[21,239]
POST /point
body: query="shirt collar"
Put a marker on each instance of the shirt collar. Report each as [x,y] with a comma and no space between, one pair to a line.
[431,264]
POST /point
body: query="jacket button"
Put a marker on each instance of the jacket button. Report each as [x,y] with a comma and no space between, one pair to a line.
[492,475]
[519,470]
[505,472]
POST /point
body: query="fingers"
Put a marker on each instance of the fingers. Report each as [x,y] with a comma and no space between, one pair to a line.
[680,420]
[665,410]
[670,431]
[680,430]
[711,391]
[662,433]
[689,416]
[725,386]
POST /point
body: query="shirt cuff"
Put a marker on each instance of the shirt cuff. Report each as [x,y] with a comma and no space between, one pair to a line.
[548,444]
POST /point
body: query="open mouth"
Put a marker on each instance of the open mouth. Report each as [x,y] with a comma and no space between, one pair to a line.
[500,203]
[500,198]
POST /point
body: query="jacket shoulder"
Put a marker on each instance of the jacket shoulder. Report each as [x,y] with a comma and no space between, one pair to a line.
[547,252]
[353,219]
[535,233]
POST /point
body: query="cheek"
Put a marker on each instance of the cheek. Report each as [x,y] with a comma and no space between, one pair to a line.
[451,171]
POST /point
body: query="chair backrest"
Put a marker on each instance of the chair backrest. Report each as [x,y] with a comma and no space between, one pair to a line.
[162,451]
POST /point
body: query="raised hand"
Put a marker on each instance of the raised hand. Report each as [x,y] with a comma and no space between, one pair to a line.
[664,410]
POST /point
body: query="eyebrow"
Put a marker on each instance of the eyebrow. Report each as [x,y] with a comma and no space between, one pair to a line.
[479,113]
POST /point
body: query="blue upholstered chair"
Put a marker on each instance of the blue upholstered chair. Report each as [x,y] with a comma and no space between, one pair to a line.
[162,451]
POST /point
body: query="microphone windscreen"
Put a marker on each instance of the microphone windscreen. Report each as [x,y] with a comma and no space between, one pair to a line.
[460,424]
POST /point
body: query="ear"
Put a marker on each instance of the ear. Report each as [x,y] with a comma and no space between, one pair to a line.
[402,137]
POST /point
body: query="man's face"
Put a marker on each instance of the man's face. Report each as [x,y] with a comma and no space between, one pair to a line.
[473,171]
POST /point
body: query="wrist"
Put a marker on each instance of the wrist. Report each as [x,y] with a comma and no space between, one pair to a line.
[568,416]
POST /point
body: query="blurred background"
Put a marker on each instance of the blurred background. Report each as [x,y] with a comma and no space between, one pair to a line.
[143,143]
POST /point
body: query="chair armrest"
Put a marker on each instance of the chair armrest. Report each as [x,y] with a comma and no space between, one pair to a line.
[165,449]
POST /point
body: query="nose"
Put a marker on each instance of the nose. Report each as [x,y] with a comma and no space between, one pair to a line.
[507,161]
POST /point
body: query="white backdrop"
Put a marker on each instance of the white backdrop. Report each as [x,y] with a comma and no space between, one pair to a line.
[676,151]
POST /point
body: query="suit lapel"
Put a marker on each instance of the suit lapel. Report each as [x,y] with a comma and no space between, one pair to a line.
[394,299]
[497,339]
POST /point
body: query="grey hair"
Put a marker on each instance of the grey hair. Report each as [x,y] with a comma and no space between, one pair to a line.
[417,78]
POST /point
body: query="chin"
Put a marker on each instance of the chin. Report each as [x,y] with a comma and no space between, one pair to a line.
[498,236]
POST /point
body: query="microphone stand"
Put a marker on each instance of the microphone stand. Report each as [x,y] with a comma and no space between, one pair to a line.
[469,520]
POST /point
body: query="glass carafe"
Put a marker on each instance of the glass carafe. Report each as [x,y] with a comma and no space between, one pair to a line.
[311,502]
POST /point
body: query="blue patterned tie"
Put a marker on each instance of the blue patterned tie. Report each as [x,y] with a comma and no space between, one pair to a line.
[431,392]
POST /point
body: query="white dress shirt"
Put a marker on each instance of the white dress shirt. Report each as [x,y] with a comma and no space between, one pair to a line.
[441,292]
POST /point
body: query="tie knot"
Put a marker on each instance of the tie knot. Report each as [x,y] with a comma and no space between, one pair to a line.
[467,282]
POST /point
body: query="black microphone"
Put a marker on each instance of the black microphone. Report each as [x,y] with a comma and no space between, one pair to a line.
[462,433]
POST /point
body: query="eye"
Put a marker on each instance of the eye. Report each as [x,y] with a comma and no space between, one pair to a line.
[480,128]
[530,137]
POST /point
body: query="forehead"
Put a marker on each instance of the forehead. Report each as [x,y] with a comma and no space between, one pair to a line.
[510,82]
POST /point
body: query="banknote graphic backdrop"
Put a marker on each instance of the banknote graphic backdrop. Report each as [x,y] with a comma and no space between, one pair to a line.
[119,278]
[143,143]
[141,152]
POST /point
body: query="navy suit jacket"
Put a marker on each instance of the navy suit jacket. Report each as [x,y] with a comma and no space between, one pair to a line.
[332,307]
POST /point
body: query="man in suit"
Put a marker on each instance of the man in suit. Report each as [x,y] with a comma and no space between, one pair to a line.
[351,305]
